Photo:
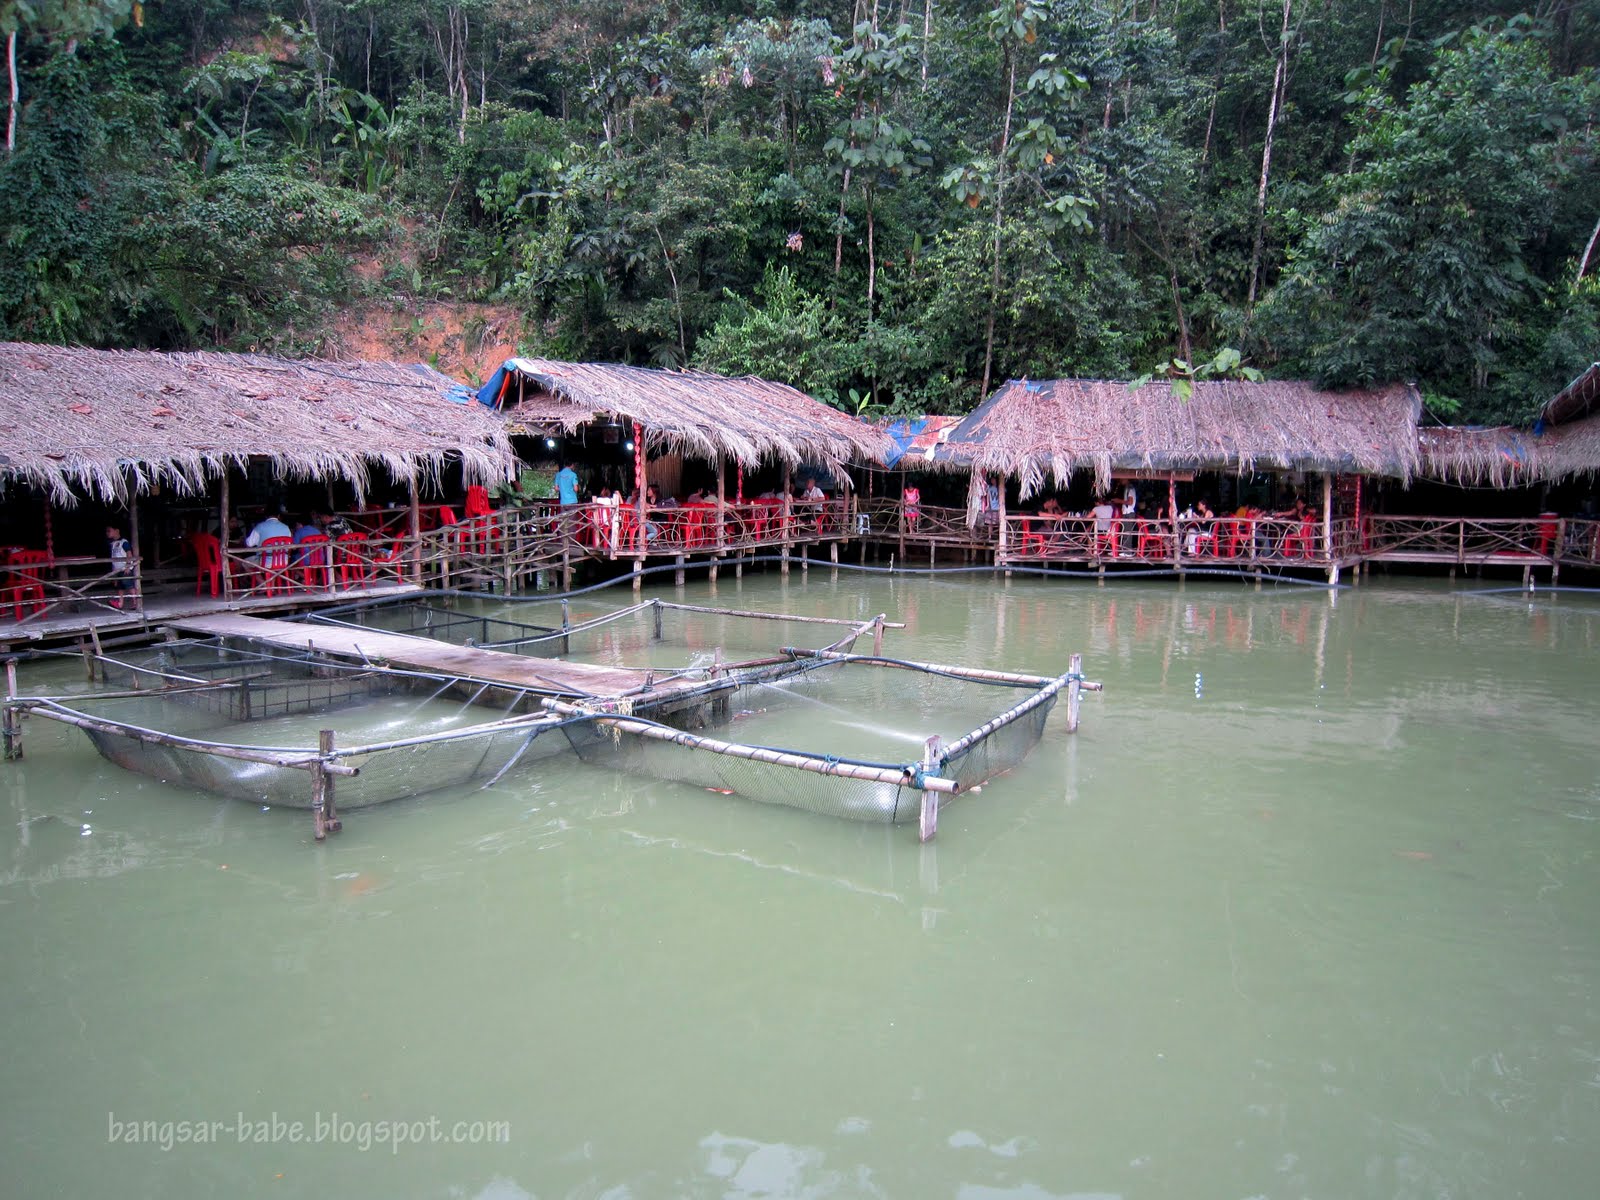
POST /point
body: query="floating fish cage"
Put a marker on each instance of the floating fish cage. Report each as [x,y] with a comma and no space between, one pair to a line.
[253,717]
[867,710]
[237,721]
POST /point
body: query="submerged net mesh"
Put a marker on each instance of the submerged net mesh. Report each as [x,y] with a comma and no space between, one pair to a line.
[833,713]
[845,713]
[278,705]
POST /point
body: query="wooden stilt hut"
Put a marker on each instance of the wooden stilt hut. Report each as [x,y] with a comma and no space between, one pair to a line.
[1033,436]
[735,427]
[95,427]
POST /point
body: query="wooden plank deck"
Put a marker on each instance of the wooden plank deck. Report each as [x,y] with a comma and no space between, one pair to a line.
[163,608]
[546,676]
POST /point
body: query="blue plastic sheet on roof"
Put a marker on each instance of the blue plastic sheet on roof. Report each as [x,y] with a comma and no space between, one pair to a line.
[903,431]
[489,394]
[458,392]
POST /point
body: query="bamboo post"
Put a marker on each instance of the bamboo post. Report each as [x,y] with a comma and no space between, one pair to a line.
[330,810]
[222,539]
[877,638]
[1074,691]
[1327,515]
[677,575]
[11,731]
[566,627]
[786,517]
[722,541]
[1172,517]
[88,659]
[414,529]
[319,794]
[658,620]
[1000,532]
[99,651]
[928,824]
[133,548]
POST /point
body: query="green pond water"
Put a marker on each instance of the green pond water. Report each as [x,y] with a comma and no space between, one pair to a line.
[1310,907]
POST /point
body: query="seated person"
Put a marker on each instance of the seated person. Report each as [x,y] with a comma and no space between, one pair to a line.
[810,492]
[1050,508]
[268,527]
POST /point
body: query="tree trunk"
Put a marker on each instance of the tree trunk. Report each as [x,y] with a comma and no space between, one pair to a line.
[999,217]
[1278,74]
[11,74]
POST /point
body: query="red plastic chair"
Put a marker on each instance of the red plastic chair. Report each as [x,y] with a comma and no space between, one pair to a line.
[695,534]
[27,586]
[1109,538]
[208,561]
[351,559]
[1231,531]
[316,563]
[273,569]
[477,502]
[1298,541]
[1154,540]
[1032,542]
[390,560]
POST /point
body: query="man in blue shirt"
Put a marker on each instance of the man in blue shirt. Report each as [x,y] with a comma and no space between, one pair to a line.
[567,484]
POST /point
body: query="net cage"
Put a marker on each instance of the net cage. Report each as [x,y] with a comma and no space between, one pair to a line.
[654,634]
[242,719]
[234,720]
[867,729]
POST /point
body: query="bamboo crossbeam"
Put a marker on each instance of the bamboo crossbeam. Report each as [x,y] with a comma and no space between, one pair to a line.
[274,756]
[892,776]
[765,616]
[1043,696]
[975,673]
[487,729]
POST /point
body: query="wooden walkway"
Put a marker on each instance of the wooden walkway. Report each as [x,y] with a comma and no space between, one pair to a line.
[546,676]
[161,609]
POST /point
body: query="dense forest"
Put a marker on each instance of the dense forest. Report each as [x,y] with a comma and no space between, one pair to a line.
[895,206]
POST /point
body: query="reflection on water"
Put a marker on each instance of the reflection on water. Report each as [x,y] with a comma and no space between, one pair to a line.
[1321,924]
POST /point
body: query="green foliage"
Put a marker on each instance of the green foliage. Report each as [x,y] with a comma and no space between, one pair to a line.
[877,212]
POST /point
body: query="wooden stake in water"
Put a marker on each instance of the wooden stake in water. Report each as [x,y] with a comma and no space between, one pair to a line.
[929,824]
[331,819]
[11,733]
[1074,691]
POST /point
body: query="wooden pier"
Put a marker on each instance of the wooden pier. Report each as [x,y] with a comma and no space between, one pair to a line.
[544,676]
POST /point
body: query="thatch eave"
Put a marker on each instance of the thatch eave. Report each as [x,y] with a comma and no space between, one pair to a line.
[694,413]
[104,424]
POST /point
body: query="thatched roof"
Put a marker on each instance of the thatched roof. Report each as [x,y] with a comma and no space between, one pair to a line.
[1055,428]
[1571,449]
[1575,400]
[102,422]
[691,412]
[1501,457]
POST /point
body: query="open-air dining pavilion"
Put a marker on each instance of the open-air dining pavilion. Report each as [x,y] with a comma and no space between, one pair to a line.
[725,458]
[184,454]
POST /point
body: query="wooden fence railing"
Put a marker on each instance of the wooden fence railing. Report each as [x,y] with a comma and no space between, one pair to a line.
[1275,540]
[1580,542]
[1460,540]
[889,520]
[35,586]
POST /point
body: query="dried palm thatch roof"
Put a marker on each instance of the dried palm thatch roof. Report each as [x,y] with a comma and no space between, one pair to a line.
[691,412]
[1501,457]
[1054,428]
[1571,449]
[1575,400]
[104,422]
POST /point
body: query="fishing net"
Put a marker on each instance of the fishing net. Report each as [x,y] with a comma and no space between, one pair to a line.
[849,714]
[229,698]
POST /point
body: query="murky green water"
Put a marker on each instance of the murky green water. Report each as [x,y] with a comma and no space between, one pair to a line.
[1307,909]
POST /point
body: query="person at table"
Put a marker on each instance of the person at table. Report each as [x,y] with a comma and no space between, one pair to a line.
[1196,520]
[268,527]
[309,527]
[810,492]
[1050,508]
[1103,512]
[121,564]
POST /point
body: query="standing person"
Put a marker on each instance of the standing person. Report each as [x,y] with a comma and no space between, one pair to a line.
[1104,514]
[566,484]
[567,496]
[121,564]
[912,500]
